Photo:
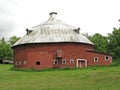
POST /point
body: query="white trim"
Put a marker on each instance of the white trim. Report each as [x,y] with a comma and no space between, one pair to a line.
[55,61]
[107,59]
[80,62]
[63,61]
[25,62]
[71,60]
[95,58]
[20,63]
[16,63]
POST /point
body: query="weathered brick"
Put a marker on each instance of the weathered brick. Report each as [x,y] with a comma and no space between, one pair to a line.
[47,53]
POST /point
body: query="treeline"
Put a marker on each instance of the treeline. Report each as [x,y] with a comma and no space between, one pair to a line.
[5,48]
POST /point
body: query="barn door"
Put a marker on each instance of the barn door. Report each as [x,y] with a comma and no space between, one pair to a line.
[82,63]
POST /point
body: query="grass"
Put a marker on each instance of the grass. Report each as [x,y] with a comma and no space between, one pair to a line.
[93,78]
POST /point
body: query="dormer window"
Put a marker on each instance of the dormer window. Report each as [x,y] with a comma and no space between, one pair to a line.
[28,31]
[77,30]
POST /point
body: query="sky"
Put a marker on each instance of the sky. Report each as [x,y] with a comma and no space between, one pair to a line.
[92,16]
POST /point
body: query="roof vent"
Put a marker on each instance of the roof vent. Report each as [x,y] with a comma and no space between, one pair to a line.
[28,31]
[77,30]
[53,14]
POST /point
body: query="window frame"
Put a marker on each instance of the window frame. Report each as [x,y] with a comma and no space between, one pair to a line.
[71,61]
[25,62]
[19,62]
[38,63]
[55,61]
[16,63]
[95,59]
[106,58]
[63,61]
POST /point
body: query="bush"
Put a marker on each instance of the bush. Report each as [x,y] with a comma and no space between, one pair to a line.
[116,62]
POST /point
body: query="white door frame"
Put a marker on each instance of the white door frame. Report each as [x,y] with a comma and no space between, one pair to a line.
[80,62]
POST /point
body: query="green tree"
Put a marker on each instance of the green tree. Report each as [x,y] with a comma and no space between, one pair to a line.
[13,39]
[5,47]
[114,43]
[100,42]
[5,50]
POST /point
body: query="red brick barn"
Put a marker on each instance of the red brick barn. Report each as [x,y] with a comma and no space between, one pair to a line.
[54,44]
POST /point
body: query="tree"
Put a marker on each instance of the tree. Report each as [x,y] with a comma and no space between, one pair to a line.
[13,39]
[5,50]
[5,47]
[114,43]
[100,42]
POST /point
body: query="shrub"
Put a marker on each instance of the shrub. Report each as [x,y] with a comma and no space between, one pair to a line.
[116,62]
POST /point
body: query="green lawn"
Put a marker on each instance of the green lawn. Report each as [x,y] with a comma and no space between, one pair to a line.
[95,78]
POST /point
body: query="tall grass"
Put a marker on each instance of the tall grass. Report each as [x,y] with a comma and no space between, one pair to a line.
[93,78]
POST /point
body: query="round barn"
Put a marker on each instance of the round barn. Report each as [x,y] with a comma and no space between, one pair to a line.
[55,44]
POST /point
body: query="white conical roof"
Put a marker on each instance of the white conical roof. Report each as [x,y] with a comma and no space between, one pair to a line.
[53,30]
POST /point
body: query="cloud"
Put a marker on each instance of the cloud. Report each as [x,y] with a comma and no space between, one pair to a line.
[91,16]
[6,27]
[7,23]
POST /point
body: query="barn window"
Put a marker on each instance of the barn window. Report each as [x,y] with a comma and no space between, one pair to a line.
[71,60]
[16,62]
[55,62]
[106,58]
[20,63]
[59,53]
[24,62]
[38,63]
[63,61]
[95,59]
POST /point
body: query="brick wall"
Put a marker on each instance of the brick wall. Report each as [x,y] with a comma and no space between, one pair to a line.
[47,53]
[101,59]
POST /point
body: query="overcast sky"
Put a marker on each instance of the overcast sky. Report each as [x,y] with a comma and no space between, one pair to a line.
[92,16]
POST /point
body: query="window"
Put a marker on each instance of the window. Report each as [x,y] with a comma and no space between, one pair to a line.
[71,60]
[55,62]
[38,63]
[59,53]
[20,63]
[63,61]
[16,62]
[95,59]
[106,58]
[24,62]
